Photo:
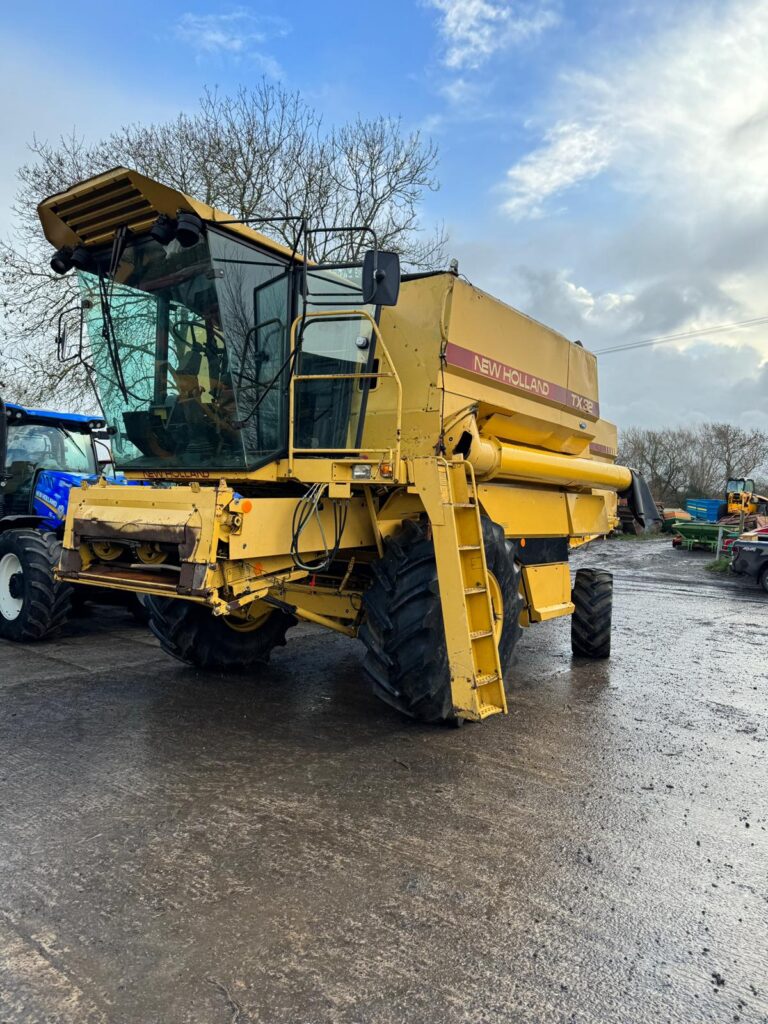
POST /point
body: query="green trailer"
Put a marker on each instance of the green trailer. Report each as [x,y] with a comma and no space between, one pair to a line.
[696,534]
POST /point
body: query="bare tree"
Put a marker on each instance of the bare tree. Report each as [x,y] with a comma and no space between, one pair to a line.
[737,453]
[684,462]
[263,152]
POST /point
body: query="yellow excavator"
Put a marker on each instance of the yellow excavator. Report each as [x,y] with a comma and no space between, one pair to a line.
[399,457]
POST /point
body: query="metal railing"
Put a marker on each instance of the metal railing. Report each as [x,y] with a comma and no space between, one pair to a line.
[391,454]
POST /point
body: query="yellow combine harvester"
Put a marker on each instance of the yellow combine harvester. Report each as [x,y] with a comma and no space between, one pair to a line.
[404,459]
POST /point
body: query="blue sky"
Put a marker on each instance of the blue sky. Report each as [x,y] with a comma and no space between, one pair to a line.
[603,166]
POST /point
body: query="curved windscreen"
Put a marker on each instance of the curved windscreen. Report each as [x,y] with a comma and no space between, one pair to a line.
[189,347]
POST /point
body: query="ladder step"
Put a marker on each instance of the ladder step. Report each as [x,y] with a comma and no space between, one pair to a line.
[484,680]
[463,504]
[469,547]
[474,590]
[480,633]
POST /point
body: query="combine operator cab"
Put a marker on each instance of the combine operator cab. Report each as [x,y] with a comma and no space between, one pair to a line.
[217,355]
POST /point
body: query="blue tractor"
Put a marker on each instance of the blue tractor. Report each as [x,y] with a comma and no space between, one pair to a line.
[42,455]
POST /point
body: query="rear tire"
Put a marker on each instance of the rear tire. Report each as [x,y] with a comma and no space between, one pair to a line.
[194,635]
[136,607]
[764,580]
[407,657]
[591,620]
[32,604]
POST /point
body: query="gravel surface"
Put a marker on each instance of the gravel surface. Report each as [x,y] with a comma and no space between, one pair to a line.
[185,849]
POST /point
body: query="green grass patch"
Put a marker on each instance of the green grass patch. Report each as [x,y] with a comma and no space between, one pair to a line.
[721,564]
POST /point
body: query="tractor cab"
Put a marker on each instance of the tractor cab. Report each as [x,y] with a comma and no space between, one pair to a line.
[37,449]
[42,456]
[739,494]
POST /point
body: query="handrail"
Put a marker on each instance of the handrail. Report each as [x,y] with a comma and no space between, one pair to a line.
[361,314]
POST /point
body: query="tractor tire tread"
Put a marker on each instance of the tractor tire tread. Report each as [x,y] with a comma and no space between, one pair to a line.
[591,619]
[48,604]
[193,635]
[406,657]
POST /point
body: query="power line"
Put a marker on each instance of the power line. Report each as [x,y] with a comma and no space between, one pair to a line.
[715,329]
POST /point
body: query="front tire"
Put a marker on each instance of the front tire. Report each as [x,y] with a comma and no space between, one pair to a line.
[194,635]
[32,604]
[407,656]
[591,620]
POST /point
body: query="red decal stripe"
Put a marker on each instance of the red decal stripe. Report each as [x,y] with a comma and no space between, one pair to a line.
[602,449]
[519,380]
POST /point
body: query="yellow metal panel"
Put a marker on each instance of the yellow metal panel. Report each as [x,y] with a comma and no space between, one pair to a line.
[266,529]
[582,382]
[321,600]
[605,443]
[530,430]
[525,511]
[548,590]
[413,336]
[587,514]
[400,505]
[125,513]
[502,358]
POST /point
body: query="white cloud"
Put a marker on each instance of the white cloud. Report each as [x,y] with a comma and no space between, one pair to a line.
[474,30]
[675,127]
[684,121]
[237,35]
[461,92]
[572,152]
[722,376]
[667,387]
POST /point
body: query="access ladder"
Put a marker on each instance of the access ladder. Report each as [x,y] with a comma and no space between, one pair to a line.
[472,624]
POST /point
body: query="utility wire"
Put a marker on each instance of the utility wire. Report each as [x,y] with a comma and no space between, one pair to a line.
[715,329]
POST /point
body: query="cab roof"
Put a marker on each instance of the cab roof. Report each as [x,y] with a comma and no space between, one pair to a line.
[89,212]
[20,414]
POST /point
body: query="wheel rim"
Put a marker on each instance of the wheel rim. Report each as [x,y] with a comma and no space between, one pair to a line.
[10,606]
[106,551]
[151,554]
[254,619]
[497,606]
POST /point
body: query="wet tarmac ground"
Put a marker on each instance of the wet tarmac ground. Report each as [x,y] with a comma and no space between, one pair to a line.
[183,849]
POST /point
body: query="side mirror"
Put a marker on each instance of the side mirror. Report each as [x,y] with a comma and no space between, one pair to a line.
[381,278]
[64,350]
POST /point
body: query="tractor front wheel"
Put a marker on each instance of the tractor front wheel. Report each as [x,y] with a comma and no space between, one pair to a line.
[32,604]
[194,635]
[407,656]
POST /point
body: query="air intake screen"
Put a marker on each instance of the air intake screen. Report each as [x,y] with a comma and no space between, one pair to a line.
[95,214]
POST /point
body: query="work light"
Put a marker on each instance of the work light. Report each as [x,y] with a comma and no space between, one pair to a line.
[163,230]
[189,229]
[61,261]
[80,258]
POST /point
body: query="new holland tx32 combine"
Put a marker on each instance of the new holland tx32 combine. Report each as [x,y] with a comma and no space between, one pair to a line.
[403,459]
